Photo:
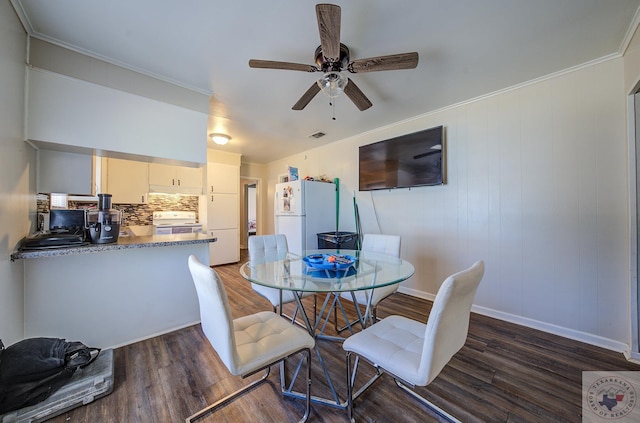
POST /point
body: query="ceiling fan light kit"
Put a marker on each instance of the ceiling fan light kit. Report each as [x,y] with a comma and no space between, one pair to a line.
[332,83]
[332,58]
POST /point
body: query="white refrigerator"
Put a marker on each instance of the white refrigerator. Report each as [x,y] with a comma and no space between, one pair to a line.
[302,210]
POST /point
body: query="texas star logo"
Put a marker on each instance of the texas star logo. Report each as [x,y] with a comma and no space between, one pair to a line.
[611,397]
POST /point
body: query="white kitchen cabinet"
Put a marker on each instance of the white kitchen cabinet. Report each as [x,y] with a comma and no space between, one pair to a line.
[126,180]
[223,212]
[67,173]
[227,247]
[175,179]
[223,178]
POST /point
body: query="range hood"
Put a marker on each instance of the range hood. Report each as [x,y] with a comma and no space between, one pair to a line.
[176,190]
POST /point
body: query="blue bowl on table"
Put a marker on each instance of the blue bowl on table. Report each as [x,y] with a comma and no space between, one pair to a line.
[322,265]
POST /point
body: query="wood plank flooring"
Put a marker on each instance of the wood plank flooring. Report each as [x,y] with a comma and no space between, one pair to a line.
[504,373]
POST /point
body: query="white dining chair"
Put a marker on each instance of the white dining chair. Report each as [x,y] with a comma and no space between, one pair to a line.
[411,352]
[247,344]
[264,248]
[376,243]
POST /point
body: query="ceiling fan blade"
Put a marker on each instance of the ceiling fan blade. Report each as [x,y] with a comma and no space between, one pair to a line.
[382,63]
[357,96]
[306,97]
[329,27]
[270,64]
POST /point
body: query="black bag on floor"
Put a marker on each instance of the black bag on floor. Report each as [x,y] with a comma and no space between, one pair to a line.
[33,369]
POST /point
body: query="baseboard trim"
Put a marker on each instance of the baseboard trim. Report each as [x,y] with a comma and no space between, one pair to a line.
[576,335]
[153,335]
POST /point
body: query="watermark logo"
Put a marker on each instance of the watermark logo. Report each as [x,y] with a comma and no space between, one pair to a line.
[610,396]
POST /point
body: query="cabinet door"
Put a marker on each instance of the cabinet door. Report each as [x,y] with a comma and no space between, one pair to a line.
[64,172]
[161,174]
[223,178]
[226,249]
[175,179]
[127,181]
[189,176]
[223,211]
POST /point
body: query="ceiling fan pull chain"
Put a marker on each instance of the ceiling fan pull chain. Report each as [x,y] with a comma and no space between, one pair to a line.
[333,109]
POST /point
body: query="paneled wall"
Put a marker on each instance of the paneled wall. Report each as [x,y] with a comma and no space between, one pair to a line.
[537,187]
[17,174]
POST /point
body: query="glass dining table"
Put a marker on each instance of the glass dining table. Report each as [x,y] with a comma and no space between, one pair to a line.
[316,272]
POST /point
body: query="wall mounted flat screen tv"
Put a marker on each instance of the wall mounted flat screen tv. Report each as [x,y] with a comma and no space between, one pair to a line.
[406,161]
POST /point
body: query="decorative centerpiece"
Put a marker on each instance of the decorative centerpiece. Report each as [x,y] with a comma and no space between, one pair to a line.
[330,265]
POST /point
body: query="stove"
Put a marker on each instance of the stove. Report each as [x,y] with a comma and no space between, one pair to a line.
[175,222]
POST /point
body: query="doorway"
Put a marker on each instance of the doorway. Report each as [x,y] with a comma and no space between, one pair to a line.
[249,210]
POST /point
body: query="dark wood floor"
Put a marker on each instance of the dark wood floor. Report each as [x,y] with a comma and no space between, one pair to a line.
[504,373]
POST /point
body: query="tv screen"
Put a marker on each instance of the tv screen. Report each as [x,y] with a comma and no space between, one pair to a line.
[406,161]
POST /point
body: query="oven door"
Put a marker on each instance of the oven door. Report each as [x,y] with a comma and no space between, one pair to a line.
[177,229]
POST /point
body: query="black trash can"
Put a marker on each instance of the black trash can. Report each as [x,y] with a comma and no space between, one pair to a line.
[338,240]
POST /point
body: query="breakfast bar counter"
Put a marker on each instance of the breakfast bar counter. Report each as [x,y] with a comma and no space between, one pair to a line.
[123,243]
[109,295]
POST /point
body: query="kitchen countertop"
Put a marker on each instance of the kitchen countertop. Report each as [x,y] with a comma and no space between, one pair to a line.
[124,242]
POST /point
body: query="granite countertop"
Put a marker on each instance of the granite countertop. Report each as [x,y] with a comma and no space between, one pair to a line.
[124,242]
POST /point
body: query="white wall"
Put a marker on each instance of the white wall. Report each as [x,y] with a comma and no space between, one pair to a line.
[632,63]
[45,55]
[78,114]
[537,187]
[17,174]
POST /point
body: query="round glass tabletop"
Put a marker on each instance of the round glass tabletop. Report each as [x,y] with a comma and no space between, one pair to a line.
[313,272]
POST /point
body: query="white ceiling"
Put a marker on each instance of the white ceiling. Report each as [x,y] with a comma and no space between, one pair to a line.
[467,48]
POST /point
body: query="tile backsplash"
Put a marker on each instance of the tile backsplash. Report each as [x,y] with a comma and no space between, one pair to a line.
[135,214]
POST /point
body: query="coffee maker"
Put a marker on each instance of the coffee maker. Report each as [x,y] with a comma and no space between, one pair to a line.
[104,223]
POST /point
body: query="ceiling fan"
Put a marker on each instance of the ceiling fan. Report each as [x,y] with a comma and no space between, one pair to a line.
[332,58]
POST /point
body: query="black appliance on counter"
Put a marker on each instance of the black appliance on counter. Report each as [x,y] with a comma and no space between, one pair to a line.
[104,223]
[67,228]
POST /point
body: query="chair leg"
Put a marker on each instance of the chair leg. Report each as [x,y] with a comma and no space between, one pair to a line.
[427,403]
[211,408]
[308,382]
[228,398]
[283,383]
[351,396]
[349,389]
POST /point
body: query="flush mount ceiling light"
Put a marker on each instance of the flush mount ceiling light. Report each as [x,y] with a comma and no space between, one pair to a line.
[220,139]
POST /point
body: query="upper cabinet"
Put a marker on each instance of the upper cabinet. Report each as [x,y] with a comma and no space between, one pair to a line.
[126,180]
[63,172]
[223,178]
[175,179]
